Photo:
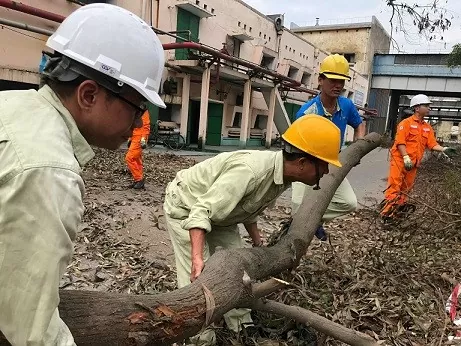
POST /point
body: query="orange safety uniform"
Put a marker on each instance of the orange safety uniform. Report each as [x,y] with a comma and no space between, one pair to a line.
[134,155]
[416,135]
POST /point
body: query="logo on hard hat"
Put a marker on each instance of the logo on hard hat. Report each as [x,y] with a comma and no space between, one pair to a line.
[108,69]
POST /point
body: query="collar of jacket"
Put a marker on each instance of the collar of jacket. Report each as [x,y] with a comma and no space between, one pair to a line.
[278,168]
[82,150]
[338,106]
[417,119]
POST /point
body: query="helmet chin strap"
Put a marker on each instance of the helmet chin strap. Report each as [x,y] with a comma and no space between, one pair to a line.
[317,174]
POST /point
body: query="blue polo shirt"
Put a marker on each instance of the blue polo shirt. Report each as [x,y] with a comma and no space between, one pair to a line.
[346,113]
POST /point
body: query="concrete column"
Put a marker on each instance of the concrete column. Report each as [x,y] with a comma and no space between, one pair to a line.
[270,117]
[204,96]
[245,114]
[185,105]
[225,112]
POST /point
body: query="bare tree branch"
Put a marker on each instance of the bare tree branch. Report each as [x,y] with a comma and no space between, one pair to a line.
[431,19]
[317,322]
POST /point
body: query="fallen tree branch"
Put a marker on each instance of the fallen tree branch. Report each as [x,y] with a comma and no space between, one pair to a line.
[267,287]
[102,318]
[317,322]
[438,211]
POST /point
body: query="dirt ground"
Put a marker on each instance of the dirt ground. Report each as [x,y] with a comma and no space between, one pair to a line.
[385,282]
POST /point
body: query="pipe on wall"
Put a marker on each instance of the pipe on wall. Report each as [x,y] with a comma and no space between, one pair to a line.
[27,27]
[216,53]
[17,6]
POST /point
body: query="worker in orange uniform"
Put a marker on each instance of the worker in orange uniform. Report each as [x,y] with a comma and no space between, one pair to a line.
[413,136]
[136,144]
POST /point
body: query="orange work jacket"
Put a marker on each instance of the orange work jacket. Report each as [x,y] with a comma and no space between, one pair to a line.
[416,135]
[144,130]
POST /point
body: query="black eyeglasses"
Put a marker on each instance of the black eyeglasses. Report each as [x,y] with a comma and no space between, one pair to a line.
[139,109]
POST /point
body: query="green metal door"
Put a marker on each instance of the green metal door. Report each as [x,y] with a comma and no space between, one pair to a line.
[291,109]
[186,21]
[153,112]
[153,115]
[214,124]
[193,122]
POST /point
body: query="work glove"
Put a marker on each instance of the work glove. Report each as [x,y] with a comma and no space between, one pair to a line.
[143,143]
[407,162]
[449,151]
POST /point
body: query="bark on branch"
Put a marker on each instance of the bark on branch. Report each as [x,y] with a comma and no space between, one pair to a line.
[101,318]
[317,322]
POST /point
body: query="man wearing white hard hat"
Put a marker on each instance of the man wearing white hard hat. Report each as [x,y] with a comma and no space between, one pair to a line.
[106,64]
[414,136]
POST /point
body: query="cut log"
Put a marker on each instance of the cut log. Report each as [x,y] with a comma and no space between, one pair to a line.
[101,318]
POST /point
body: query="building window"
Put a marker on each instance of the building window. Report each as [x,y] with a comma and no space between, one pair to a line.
[292,72]
[205,6]
[264,36]
[197,2]
[251,29]
[164,114]
[237,120]
[212,10]
[350,57]
[268,62]
[233,46]
[244,26]
[239,24]
[269,38]
[260,122]
[260,34]
[306,79]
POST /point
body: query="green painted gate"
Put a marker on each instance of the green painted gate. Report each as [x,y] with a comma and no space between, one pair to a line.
[292,109]
[186,21]
[214,124]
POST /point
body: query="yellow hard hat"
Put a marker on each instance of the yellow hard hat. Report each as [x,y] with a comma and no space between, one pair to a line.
[335,67]
[316,136]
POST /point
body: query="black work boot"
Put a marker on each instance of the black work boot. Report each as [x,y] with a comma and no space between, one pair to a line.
[321,234]
[138,185]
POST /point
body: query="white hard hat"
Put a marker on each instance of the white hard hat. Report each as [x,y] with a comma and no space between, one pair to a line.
[420,99]
[115,42]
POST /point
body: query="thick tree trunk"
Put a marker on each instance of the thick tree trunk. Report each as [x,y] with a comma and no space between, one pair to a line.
[101,318]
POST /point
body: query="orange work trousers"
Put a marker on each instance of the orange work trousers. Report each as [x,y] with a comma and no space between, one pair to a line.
[399,184]
[133,158]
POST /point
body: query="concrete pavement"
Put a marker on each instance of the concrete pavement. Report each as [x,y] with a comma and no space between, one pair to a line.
[369,178]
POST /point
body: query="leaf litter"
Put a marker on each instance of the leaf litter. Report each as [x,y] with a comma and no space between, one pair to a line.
[389,282]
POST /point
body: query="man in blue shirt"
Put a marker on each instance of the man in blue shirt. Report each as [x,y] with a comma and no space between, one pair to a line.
[334,71]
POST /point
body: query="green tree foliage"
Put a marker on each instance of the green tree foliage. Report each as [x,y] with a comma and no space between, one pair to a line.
[454,59]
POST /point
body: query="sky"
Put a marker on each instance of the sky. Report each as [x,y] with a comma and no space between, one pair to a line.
[304,12]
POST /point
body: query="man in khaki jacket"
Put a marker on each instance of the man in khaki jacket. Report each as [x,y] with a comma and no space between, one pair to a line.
[205,203]
[45,137]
